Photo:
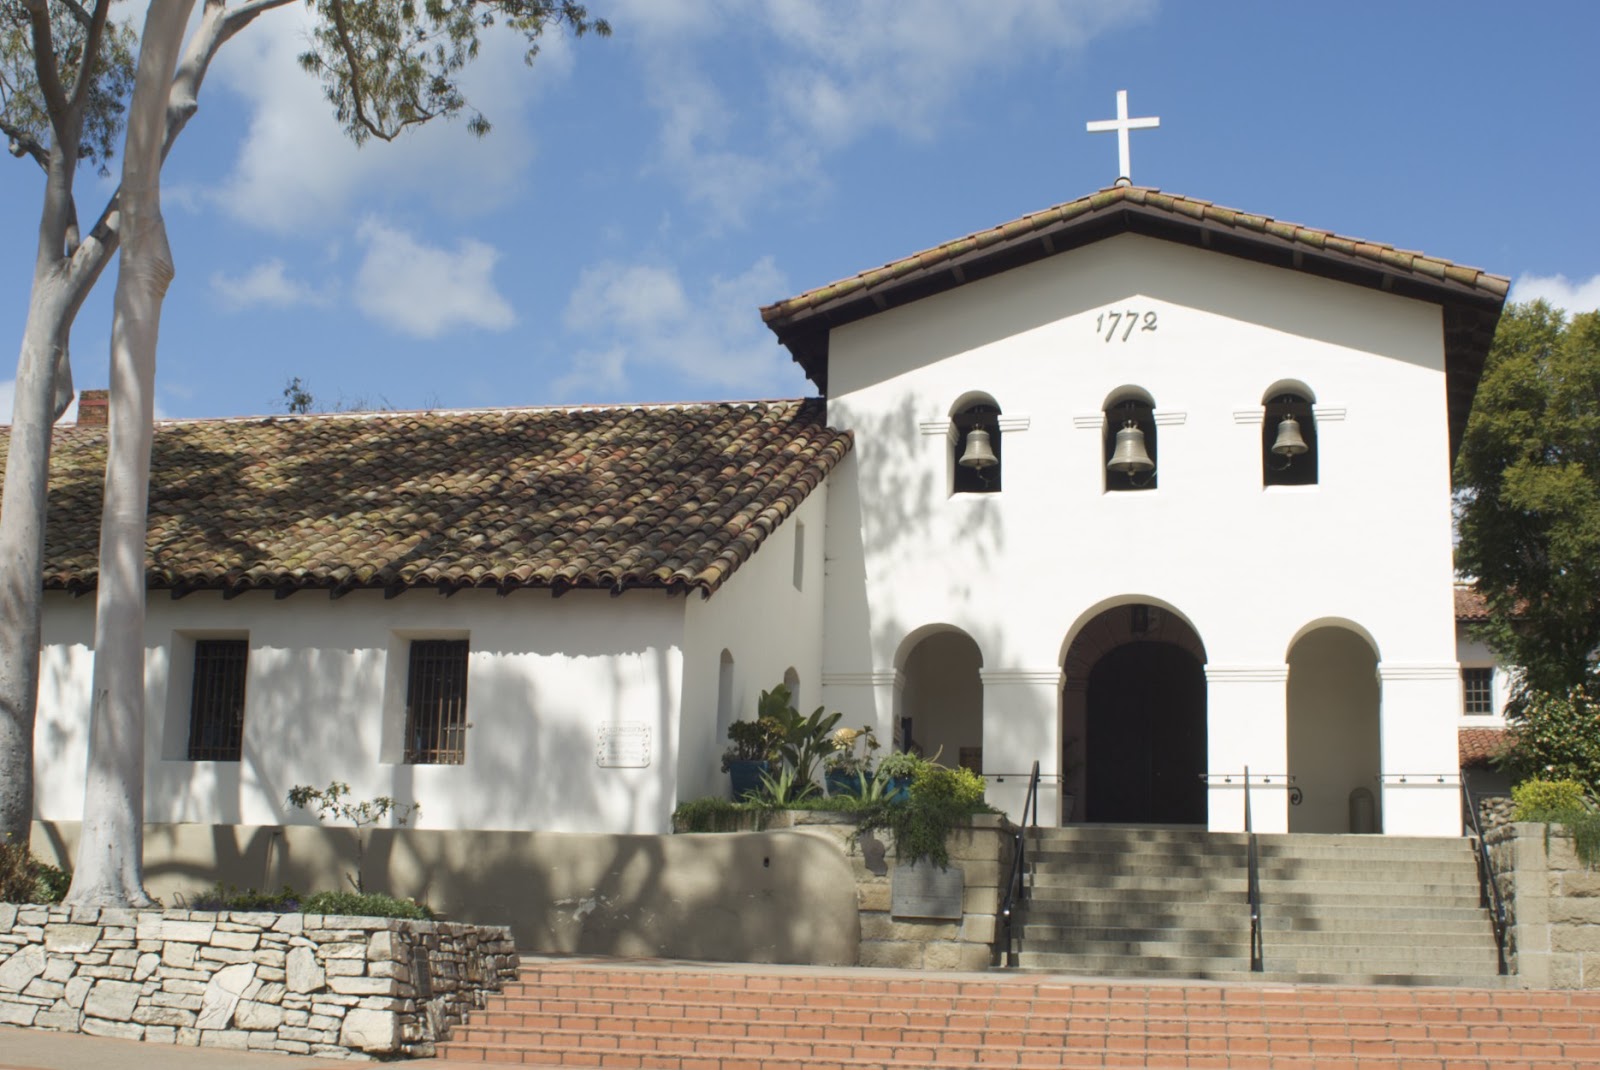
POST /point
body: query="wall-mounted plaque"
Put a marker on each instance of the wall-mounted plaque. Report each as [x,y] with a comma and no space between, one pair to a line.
[923,890]
[622,746]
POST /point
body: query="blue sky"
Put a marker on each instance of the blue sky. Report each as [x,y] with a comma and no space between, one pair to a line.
[640,197]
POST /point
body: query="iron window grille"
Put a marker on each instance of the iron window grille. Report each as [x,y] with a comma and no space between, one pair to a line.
[436,703]
[216,705]
[1477,689]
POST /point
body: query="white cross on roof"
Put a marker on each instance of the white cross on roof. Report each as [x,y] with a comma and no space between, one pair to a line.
[1122,124]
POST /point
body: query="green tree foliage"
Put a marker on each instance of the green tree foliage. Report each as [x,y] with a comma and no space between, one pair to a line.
[386,66]
[1528,485]
[24,108]
[1555,737]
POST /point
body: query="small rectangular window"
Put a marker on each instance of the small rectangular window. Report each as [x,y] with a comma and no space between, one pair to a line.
[216,704]
[436,702]
[1477,690]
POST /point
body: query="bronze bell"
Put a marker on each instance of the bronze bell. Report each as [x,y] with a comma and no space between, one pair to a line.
[1130,458]
[978,455]
[1289,443]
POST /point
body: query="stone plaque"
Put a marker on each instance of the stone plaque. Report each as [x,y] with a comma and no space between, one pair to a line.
[923,890]
[622,746]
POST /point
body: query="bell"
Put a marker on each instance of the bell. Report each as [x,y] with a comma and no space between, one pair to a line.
[978,455]
[1129,458]
[1289,443]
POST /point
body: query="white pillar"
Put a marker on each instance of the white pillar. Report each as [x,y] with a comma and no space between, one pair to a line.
[866,698]
[1021,725]
[1247,724]
[1420,767]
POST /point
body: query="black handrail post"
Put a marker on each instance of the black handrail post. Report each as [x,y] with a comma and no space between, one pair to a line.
[1488,886]
[1030,806]
[1253,884]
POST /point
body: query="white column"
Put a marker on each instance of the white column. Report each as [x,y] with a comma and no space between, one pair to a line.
[1247,724]
[1420,764]
[866,698]
[1021,725]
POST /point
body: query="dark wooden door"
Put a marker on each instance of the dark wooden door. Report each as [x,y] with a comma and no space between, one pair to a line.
[1145,748]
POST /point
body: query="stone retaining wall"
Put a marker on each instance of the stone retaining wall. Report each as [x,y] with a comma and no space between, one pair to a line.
[301,983]
[1552,905]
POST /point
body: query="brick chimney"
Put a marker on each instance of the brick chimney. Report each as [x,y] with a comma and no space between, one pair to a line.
[94,408]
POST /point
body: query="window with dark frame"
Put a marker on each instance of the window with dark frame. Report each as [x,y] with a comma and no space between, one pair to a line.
[436,703]
[216,704]
[1477,691]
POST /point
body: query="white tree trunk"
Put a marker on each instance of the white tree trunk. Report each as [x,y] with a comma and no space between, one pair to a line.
[110,870]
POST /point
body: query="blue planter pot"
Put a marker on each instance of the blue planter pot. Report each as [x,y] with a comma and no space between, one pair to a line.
[843,783]
[745,776]
[899,789]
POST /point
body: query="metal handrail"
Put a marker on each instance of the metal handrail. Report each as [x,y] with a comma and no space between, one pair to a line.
[1253,884]
[1488,887]
[1030,808]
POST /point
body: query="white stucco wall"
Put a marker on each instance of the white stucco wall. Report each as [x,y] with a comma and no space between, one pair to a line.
[325,701]
[1250,568]
[769,625]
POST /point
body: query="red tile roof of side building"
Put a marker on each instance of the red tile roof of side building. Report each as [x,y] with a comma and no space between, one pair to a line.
[1476,746]
[673,497]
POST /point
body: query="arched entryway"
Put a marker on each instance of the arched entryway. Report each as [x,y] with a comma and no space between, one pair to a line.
[1333,732]
[1134,719]
[942,701]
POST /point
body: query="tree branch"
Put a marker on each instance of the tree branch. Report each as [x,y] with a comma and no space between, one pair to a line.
[83,17]
[25,144]
[352,57]
[44,62]
[92,38]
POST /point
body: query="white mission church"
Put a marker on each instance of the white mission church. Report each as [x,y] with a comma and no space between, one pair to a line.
[1143,489]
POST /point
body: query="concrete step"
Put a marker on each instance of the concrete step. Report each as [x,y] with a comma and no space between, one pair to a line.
[1231,896]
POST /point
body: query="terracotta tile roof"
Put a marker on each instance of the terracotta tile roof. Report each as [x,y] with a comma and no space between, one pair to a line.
[1469,297]
[1385,256]
[1470,605]
[673,497]
[1477,745]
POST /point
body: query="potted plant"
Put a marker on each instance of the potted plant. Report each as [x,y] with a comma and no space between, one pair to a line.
[849,768]
[754,747]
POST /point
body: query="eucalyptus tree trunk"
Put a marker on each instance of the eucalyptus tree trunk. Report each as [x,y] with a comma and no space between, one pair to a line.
[110,870]
[65,271]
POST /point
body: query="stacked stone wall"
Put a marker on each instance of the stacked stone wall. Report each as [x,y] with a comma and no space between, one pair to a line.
[304,984]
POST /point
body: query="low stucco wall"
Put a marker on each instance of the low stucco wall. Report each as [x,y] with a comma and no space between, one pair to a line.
[775,896]
[299,984]
[1552,905]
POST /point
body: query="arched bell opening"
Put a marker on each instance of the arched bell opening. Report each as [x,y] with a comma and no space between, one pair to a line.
[1129,440]
[1134,719]
[1333,726]
[975,445]
[941,701]
[1288,436]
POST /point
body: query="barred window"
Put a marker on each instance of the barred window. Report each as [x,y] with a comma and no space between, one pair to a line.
[436,702]
[1477,689]
[216,705]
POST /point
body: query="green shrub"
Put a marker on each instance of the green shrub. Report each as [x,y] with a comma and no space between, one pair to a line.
[25,879]
[1543,800]
[961,787]
[941,800]
[228,897]
[367,905]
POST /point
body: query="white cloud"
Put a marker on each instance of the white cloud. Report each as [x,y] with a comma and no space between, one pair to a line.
[8,397]
[631,318]
[425,290]
[296,168]
[265,284]
[836,70]
[1582,295]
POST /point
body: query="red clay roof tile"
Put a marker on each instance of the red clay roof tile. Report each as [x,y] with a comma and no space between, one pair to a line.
[674,497]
